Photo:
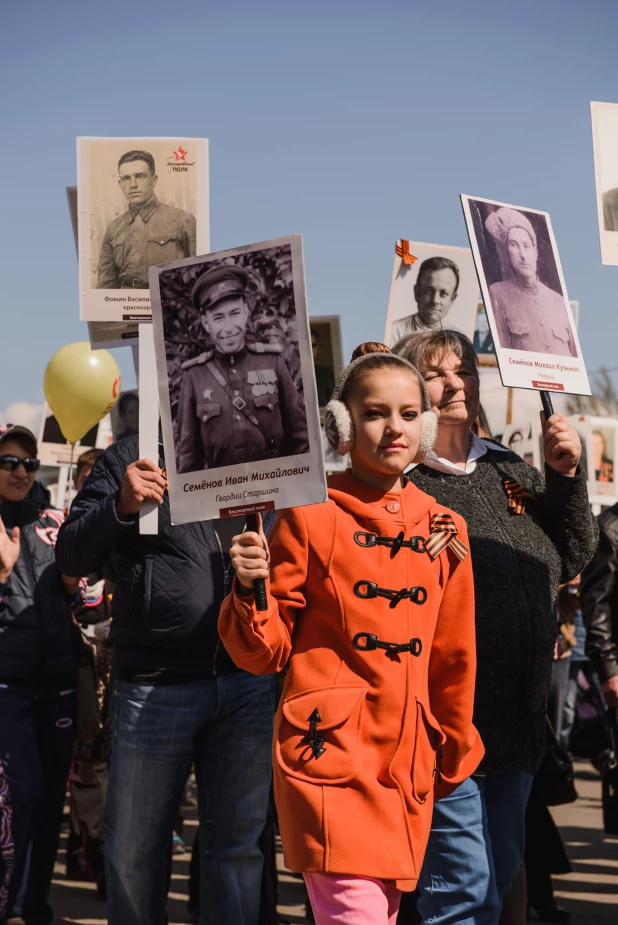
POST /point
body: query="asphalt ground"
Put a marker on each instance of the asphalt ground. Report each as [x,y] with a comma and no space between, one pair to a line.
[590,892]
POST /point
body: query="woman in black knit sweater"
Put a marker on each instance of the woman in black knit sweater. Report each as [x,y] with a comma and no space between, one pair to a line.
[528,533]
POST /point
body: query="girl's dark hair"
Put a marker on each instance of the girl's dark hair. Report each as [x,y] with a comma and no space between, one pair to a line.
[370,346]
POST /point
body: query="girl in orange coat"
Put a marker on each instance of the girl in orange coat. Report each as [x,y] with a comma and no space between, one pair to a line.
[370,599]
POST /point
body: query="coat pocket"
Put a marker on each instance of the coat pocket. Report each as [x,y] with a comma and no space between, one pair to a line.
[207,410]
[429,738]
[162,249]
[318,736]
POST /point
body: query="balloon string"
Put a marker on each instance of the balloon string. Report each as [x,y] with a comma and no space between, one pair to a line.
[70,479]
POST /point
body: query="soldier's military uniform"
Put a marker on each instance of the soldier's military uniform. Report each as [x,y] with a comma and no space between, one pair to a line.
[260,415]
[144,238]
[236,407]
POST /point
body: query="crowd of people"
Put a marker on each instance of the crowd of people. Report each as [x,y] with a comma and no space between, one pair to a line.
[426,638]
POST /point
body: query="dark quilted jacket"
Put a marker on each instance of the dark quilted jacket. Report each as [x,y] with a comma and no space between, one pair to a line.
[169,587]
[36,644]
[518,563]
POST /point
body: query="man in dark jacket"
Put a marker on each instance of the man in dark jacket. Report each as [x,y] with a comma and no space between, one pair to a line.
[177,699]
[37,684]
[599,594]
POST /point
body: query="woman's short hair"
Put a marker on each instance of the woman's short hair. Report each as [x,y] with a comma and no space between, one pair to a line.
[422,348]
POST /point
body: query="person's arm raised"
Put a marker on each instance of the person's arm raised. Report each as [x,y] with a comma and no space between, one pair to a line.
[105,511]
[564,507]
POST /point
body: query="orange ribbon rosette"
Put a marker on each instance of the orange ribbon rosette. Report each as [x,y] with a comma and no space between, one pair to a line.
[443,534]
[403,250]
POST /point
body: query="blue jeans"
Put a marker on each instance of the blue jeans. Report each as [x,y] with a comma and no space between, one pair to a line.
[222,724]
[475,849]
[36,746]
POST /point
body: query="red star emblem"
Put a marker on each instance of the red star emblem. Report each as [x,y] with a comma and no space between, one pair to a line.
[181,154]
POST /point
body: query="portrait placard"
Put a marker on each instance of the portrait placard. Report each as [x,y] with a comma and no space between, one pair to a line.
[237,391]
[482,340]
[605,145]
[54,450]
[516,437]
[581,423]
[525,297]
[433,286]
[327,351]
[103,334]
[604,451]
[141,202]
[125,415]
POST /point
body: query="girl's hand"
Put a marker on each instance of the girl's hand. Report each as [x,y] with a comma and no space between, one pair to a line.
[250,558]
[561,444]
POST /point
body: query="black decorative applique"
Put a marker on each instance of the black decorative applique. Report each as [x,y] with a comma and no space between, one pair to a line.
[315,741]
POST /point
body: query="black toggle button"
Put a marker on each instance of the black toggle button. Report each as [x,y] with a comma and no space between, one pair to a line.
[368,590]
[371,642]
[368,540]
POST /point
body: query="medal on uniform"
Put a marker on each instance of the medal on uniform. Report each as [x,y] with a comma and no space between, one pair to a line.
[263,381]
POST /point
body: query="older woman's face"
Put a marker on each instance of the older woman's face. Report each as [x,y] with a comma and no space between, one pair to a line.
[522,254]
[453,388]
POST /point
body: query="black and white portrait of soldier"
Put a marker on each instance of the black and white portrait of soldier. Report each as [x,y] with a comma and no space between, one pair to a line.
[150,232]
[435,291]
[605,146]
[125,416]
[515,437]
[610,209]
[232,353]
[433,286]
[521,273]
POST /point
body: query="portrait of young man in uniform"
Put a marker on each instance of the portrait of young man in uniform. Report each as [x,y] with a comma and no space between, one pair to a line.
[238,402]
[150,232]
[435,292]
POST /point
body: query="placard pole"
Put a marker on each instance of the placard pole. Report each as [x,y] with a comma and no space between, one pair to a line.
[509,405]
[62,488]
[548,407]
[259,585]
[148,421]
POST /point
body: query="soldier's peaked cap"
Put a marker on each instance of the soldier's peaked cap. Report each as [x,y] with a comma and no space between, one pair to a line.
[227,282]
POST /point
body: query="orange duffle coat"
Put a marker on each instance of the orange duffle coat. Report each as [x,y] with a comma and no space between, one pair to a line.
[364,730]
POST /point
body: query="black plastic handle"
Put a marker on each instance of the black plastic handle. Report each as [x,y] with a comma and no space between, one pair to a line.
[546,401]
[259,585]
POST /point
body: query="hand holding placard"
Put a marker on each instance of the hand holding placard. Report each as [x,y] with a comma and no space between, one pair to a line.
[251,559]
[143,482]
[561,444]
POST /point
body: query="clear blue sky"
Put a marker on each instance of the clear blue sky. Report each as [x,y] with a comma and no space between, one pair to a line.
[353,123]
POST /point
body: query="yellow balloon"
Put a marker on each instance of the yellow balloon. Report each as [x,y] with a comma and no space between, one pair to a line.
[81,386]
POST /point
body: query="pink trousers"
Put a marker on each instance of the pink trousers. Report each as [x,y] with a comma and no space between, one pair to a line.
[338,899]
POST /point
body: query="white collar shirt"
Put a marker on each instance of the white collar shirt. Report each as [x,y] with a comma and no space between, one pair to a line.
[478,448]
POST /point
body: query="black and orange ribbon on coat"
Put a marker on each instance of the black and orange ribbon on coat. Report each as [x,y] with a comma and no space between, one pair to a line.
[403,250]
[443,535]
[517,496]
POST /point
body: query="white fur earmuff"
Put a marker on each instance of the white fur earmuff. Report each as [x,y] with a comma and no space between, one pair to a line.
[339,425]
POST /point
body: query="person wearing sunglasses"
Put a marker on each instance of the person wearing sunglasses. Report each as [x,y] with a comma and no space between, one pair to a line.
[37,683]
